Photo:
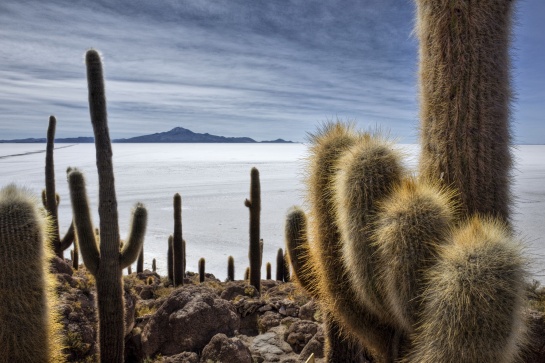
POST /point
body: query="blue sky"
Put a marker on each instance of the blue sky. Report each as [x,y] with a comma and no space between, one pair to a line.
[263,69]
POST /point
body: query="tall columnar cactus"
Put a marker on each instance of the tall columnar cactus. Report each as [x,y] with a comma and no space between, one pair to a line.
[230,268]
[29,325]
[202,266]
[280,265]
[464,100]
[51,199]
[287,264]
[170,261]
[178,257]
[106,261]
[474,301]
[254,206]
[331,274]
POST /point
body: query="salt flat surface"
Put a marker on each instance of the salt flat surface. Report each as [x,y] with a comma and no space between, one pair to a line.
[214,180]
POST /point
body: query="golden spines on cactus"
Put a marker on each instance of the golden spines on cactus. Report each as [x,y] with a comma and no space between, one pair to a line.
[366,173]
[30,330]
[473,305]
[465,100]
[297,247]
[335,293]
[412,223]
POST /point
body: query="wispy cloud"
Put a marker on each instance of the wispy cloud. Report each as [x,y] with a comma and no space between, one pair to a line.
[253,68]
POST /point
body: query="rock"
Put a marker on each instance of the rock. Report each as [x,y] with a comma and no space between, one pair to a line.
[187,320]
[299,334]
[247,309]
[60,266]
[146,292]
[130,309]
[270,347]
[268,320]
[234,289]
[315,345]
[224,349]
[308,311]
[185,357]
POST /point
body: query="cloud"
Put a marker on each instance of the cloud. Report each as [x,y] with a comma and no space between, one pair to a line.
[238,68]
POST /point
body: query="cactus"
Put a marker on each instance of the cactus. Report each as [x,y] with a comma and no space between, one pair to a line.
[247,274]
[325,243]
[297,249]
[178,256]
[74,255]
[474,300]
[413,222]
[287,263]
[51,199]
[230,268]
[254,206]
[140,261]
[202,265]
[129,270]
[154,265]
[29,326]
[280,265]
[464,100]
[106,261]
[170,261]
[268,269]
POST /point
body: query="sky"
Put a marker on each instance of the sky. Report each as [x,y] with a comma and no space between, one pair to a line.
[255,68]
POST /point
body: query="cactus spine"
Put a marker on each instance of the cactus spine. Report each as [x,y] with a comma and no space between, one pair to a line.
[230,268]
[464,100]
[202,265]
[254,206]
[474,304]
[335,295]
[178,256]
[50,198]
[29,326]
[106,261]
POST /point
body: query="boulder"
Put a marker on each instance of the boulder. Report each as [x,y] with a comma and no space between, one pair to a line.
[187,320]
[224,349]
[300,333]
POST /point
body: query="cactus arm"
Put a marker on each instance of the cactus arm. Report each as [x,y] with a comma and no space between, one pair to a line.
[297,248]
[69,237]
[135,241]
[82,220]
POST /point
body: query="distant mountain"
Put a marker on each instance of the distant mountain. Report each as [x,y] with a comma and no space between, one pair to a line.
[176,135]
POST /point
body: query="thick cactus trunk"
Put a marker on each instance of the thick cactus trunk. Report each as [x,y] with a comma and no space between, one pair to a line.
[177,243]
[465,97]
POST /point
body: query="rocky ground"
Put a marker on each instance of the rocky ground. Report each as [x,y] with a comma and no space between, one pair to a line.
[214,321]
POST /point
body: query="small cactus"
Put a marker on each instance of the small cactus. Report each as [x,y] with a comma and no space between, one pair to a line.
[178,256]
[154,265]
[255,251]
[247,274]
[298,249]
[170,262]
[140,261]
[268,269]
[230,268]
[280,265]
[202,265]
